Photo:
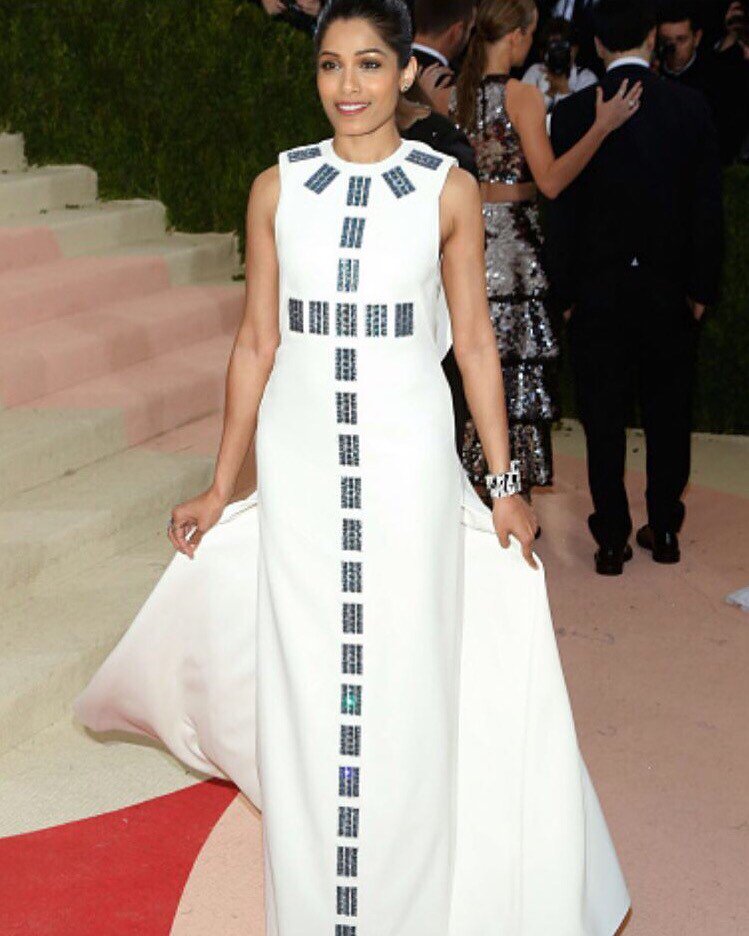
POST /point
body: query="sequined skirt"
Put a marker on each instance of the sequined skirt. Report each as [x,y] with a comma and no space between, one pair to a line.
[517,290]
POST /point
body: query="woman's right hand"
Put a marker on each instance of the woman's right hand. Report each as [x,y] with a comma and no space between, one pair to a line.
[514,516]
[617,110]
[198,514]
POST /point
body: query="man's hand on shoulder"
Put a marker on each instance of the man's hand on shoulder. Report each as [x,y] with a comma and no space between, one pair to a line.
[698,308]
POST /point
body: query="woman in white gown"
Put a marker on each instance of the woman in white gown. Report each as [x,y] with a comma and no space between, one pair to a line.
[409,731]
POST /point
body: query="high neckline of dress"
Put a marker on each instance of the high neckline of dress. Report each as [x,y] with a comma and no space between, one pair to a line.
[496,76]
[364,166]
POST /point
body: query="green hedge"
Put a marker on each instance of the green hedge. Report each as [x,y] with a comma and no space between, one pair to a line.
[184,100]
[722,401]
[187,100]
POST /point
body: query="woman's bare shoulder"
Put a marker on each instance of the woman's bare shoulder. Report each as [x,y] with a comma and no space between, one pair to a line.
[266,188]
[460,194]
[459,183]
[523,93]
[524,99]
[267,181]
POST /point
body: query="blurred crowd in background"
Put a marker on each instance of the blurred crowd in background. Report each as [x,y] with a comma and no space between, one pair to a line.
[626,257]
[703,44]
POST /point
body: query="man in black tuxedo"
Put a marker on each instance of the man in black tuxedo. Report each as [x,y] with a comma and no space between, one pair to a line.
[634,252]
[442,29]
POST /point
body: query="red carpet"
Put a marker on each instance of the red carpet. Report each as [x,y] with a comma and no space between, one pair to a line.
[118,874]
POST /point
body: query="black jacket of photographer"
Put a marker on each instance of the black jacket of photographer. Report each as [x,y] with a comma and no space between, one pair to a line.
[723,77]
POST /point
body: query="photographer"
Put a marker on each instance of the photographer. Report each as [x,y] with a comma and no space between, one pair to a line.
[736,36]
[557,76]
[302,14]
[299,13]
[721,73]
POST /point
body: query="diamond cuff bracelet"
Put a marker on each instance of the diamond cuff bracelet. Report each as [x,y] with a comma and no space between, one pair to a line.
[502,485]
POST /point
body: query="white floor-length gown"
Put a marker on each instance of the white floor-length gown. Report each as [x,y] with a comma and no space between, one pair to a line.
[353,647]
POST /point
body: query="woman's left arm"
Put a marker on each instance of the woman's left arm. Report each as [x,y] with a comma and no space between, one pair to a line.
[464,279]
[527,111]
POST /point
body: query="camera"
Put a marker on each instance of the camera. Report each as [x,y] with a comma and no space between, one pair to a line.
[666,50]
[737,23]
[295,15]
[558,57]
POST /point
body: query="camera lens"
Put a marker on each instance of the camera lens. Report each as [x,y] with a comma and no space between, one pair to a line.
[559,57]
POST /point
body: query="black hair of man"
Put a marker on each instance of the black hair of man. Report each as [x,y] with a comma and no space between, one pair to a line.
[623,24]
[433,17]
[677,11]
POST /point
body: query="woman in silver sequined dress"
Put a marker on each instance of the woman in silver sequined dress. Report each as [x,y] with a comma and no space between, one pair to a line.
[505,122]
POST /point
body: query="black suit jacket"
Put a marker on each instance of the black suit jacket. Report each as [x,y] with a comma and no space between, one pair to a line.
[723,77]
[651,194]
[442,134]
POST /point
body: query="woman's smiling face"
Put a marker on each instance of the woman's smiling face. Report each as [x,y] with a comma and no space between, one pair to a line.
[358,77]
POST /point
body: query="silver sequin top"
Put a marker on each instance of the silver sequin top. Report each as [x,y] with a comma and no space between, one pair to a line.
[499,154]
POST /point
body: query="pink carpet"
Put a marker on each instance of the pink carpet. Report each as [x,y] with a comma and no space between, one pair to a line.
[27,246]
[656,664]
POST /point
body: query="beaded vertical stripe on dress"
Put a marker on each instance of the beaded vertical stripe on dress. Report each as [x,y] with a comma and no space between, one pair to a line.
[352,611]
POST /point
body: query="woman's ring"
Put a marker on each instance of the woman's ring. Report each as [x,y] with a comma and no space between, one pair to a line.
[631,104]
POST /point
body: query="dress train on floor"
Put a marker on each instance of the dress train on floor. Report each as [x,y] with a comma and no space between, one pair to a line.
[532,853]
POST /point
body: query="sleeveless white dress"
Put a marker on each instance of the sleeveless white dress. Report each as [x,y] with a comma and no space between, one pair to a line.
[353,647]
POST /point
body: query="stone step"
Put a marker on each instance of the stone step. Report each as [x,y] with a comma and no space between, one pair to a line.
[156,394]
[38,445]
[107,549]
[28,240]
[63,527]
[192,258]
[12,154]
[63,287]
[203,437]
[45,188]
[67,286]
[66,351]
[107,776]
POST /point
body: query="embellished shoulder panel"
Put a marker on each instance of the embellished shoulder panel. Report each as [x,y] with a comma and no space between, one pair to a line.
[421,165]
[307,167]
[302,153]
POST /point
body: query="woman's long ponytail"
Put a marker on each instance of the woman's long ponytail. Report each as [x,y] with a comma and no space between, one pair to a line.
[495,19]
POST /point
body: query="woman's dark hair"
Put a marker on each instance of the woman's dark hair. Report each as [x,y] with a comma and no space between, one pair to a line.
[558,27]
[623,24]
[390,18]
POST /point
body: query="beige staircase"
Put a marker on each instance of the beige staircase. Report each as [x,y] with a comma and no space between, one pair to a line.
[114,339]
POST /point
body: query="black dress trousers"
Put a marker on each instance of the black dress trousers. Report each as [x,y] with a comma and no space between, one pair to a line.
[633,341]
